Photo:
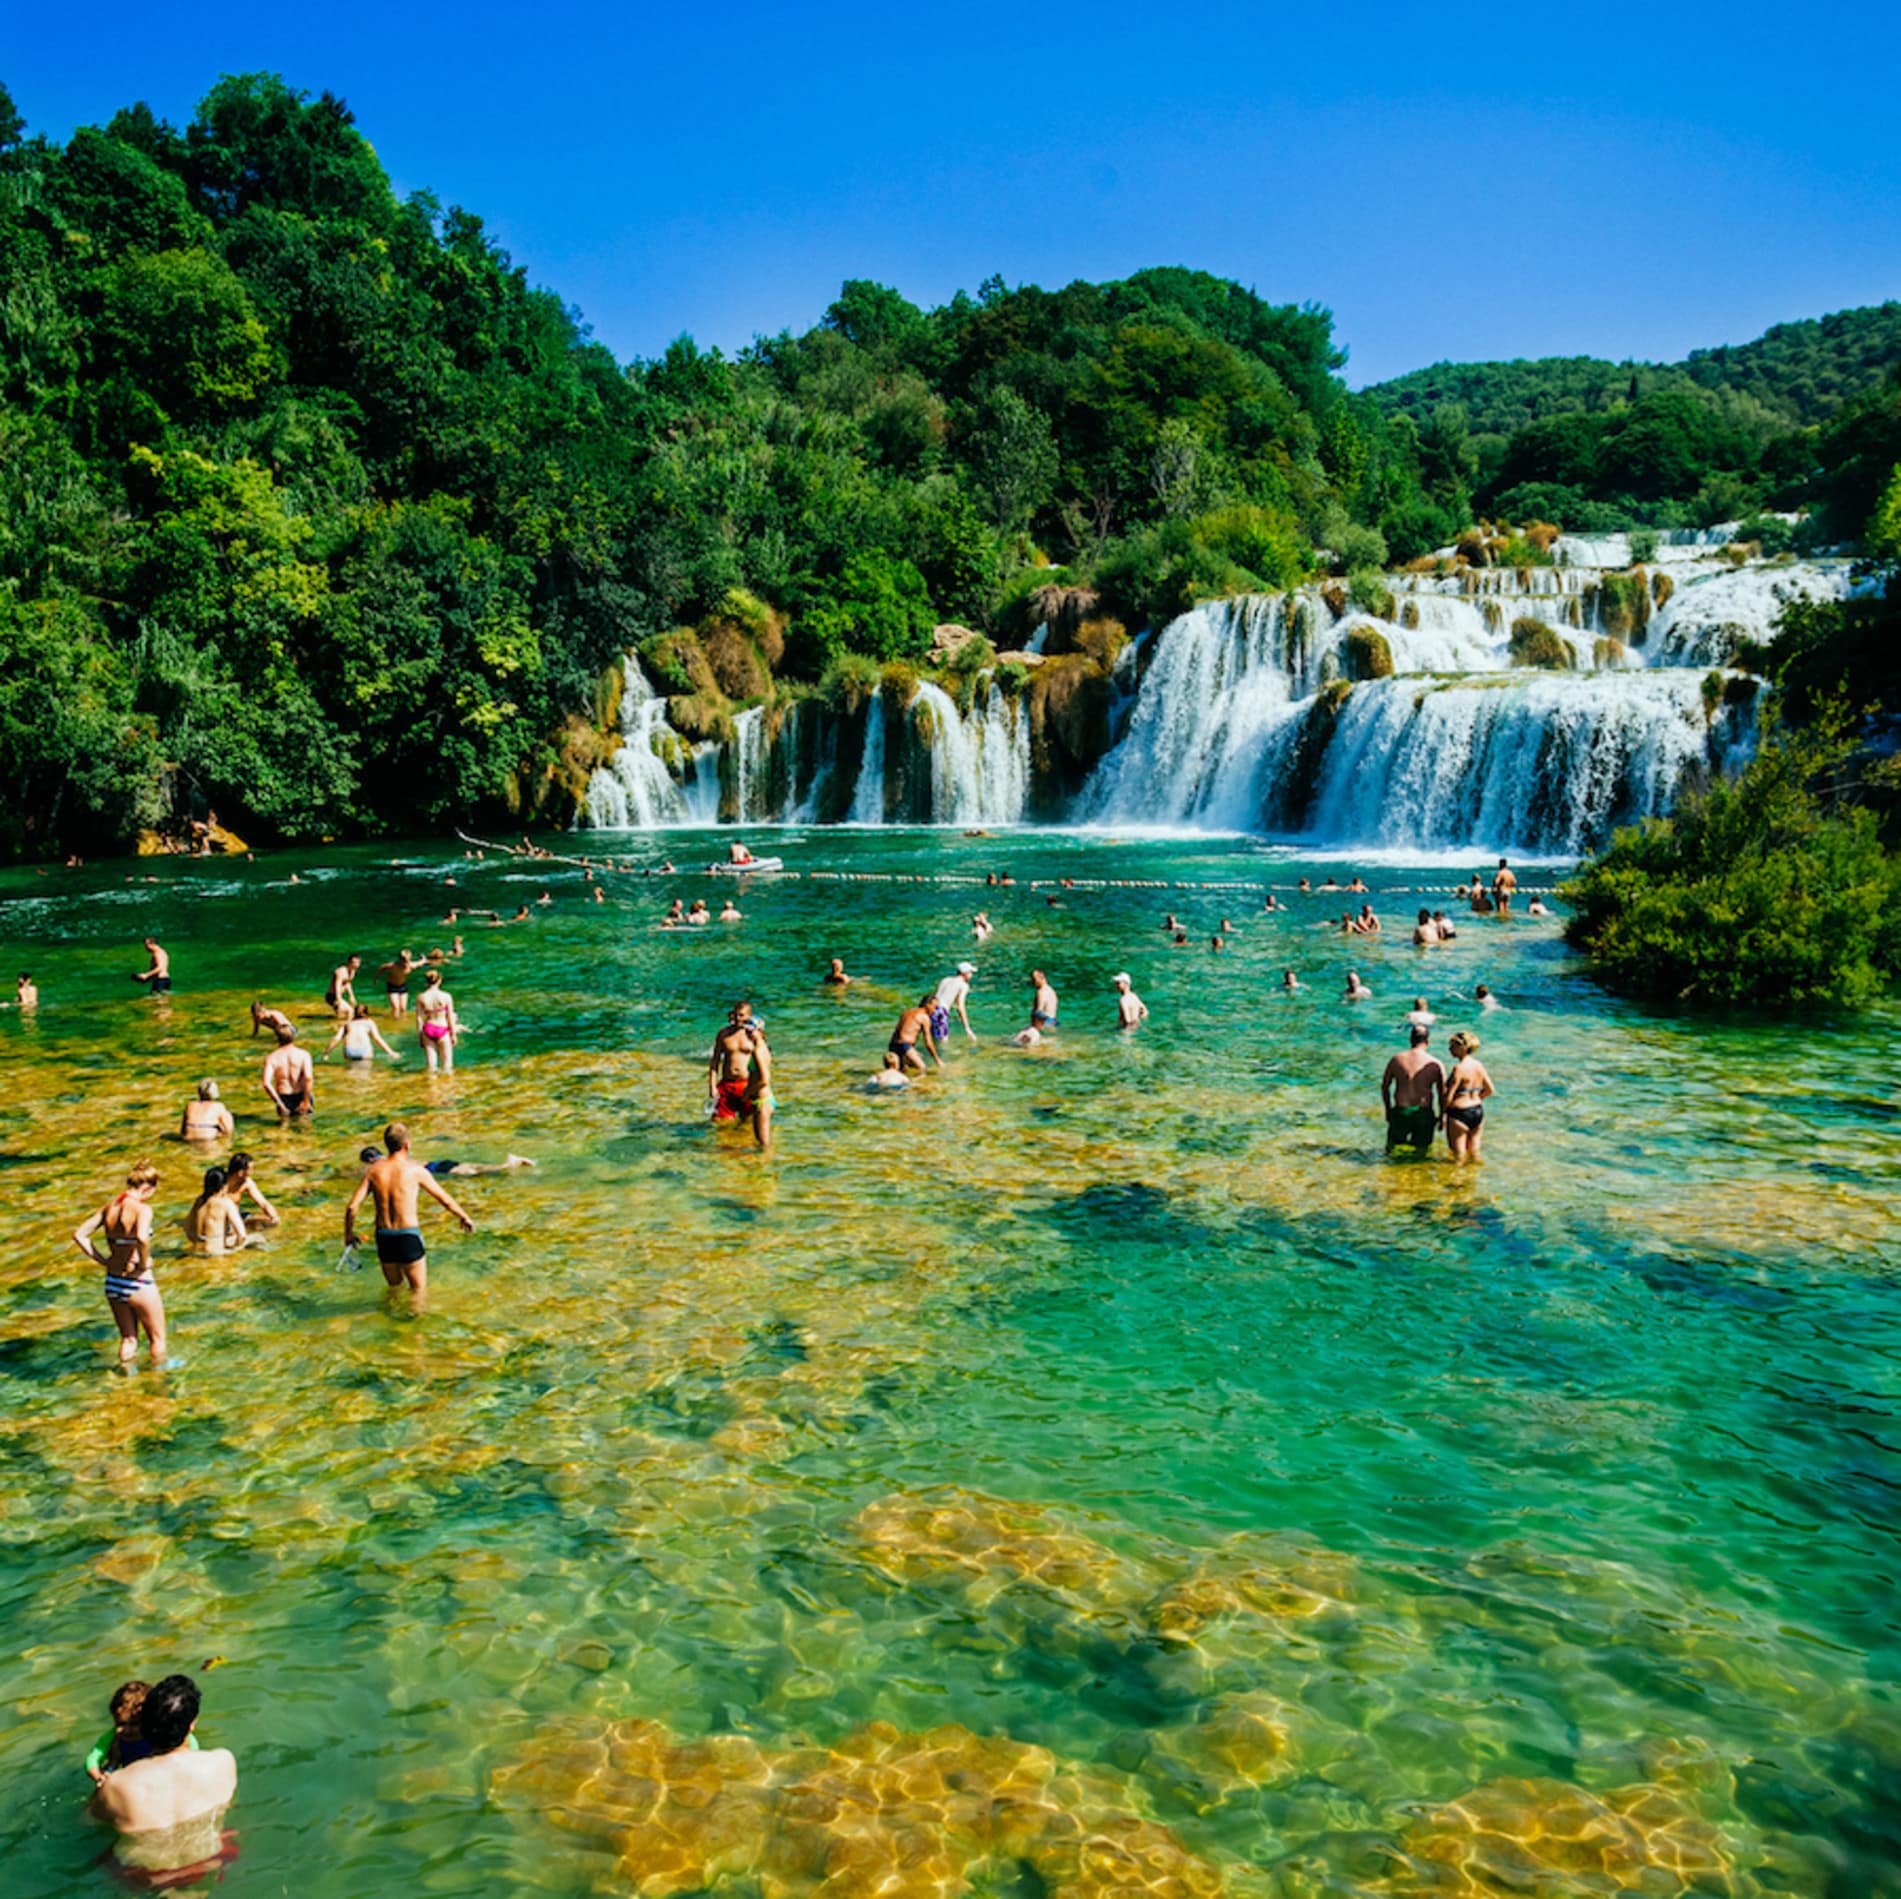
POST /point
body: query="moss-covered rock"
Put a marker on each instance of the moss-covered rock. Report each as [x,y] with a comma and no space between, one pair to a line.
[1369,592]
[1623,605]
[1409,616]
[1661,588]
[1367,655]
[1606,652]
[1535,644]
[1068,699]
[1290,802]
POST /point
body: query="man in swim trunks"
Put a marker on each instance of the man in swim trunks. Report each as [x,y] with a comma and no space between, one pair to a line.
[1043,1003]
[341,995]
[396,976]
[158,978]
[914,1026]
[289,1077]
[953,993]
[1504,888]
[729,1067]
[1412,1091]
[394,1182]
[176,1796]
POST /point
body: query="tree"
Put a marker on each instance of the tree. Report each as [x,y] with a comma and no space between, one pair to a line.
[1012,450]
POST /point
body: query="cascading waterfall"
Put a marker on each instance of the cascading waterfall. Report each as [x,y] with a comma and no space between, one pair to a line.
[1296,713]
[655,777]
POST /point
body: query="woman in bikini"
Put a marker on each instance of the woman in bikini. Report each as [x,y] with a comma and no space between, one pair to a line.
[131,1291]
[1466,1089]
[437,1025]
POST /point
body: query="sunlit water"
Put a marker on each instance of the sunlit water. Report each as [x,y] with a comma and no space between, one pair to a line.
[1098,1470]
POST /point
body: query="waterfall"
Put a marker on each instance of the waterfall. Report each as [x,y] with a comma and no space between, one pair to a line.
[980,766]
[749,760]
[867,805]
[1707,614]
[655,777]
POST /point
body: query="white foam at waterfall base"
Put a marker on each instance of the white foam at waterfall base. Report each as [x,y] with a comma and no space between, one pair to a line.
[1546,762]
[636,789]
[1708,612]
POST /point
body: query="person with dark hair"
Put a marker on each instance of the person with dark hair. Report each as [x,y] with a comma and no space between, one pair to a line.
[1412,1091]
[241,1184]
[175,1786]
[214,1221]
[394,1182]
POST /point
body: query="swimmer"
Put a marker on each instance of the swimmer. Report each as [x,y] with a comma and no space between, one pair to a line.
[1131,1010]
[1306,887]
[1216,944]
[1356,990]
[981,928]
[1369,923]
[288,1077]
[121,1743]
[1291,984]
[213,1220]
[1273,903]
[241,1184]
[394,1182]
[1349,924]
[835,977]
[1171,922]
[455,1169]
[396,974]
[1042,1002]
[1536,908]
[914,1026]
[1027,1038]
[1412,1091]
[1180,940]
[676,912]
[889,1076]
[341,995]
[699,912]
[760,1099]
[1357,885]
[1467,1089]
[1485,999]
[175,1791]
[520,916]
[158,977]
[438,1027]
[545,897]
[730,912]
[263,1016]
[1447,933]
[953,994]
[600,895]
[1425,931]
[206,1118]
[26,992]
[131,1291]
[361,1038]
[1420,1017]
[1504,888]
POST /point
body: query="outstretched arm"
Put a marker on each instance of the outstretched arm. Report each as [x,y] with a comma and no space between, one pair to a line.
[437,1191]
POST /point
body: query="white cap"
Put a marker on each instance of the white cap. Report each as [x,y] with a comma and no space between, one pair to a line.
[1122,975]
[966,969]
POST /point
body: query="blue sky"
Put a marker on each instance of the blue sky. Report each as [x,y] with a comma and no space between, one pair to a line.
[1618,181]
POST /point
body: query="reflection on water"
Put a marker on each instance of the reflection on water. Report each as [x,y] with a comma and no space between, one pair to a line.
[1096,1470]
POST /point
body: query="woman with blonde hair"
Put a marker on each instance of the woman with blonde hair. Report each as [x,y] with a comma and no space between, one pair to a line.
[131,1291]
[1466,1090]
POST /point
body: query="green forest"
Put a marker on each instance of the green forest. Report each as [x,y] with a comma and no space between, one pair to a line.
[316,514]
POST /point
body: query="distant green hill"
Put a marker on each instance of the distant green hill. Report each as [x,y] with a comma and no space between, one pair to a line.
[1801,373]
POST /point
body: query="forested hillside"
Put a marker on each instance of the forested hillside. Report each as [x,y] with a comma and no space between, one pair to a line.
[314,512]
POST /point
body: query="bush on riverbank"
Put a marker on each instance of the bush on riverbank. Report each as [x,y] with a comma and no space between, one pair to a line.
[1766,891]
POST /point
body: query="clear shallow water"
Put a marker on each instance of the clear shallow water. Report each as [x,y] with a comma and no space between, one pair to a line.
[1267,1512]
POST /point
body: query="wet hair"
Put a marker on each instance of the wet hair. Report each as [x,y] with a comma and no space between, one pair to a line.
[890,1060]
[431,977]
[168,1711]
[214,1181]
[1482,992]
[207,1091]
[362,1012]
[1464,1043]
[127,1699]
[1425,916]
[367,1155]
[236,1165]
[396,1137]
[143,1175]
[1420,1035]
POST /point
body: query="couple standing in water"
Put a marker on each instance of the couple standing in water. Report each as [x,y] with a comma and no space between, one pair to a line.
[1420,1097]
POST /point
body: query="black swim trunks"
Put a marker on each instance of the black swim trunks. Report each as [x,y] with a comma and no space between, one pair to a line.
[161,985]
[1412,1127]
[440,1167]
[399,1245]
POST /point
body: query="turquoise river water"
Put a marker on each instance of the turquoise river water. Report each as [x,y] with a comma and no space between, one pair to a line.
[1098,1470]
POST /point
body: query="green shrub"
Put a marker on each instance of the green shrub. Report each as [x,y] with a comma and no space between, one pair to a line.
[1369,592]
[1643,546]
[1519,550]
[1765,891]
[1623,605]
[1769,532]
[1535,644]
[1358,547]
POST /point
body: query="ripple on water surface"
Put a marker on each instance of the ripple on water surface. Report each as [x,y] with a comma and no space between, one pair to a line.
[1096,1471]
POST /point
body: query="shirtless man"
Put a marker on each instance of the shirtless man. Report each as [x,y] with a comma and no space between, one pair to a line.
[241,1184]
[395,975]
[168,1806]
[1412,1091]
[914,1026]
[341,995]
[1356,990]
[1420,1017]
[1131,1010]
[1504,887]
[1425,931]
[26,994]
[158,978]
[729,1067]
[394,1181]
[206,1118]
[953,994]
[1369,923]
[1042,1003]
[290,1079]
[263,1016]
[835,977]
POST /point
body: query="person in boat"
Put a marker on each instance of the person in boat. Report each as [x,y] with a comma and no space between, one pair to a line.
[738,854]
[1412,1091]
